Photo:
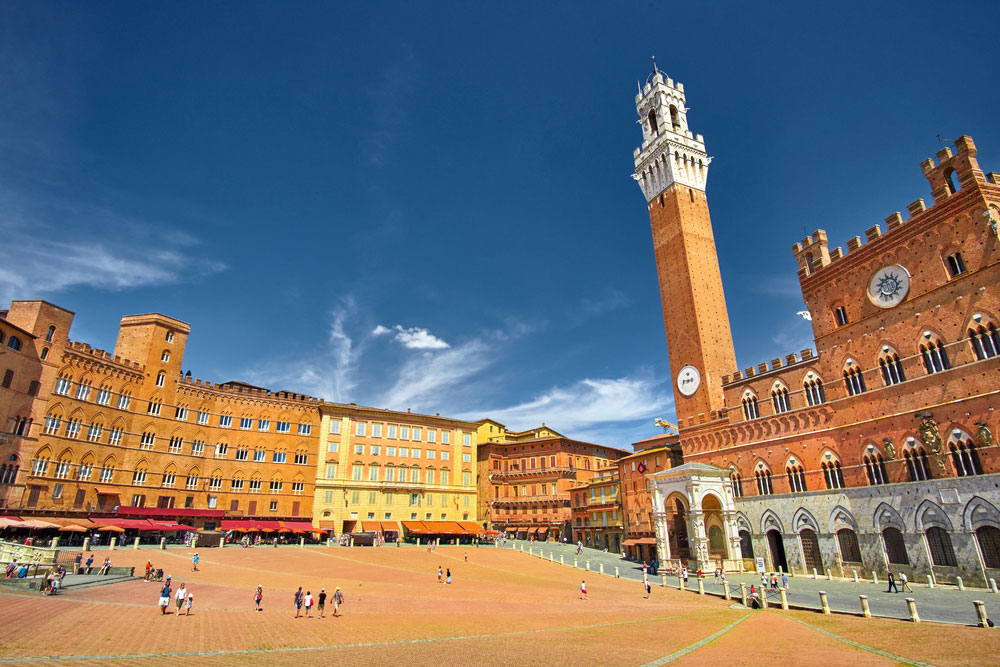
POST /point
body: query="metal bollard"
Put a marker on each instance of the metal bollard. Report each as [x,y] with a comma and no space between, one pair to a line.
[930,581]
[823,602]
[784,598]
[911,605]
[874,578]
[961,584]
[855,575]
[993,585]
[865,610]
[981,613]
[725,591]
[814,574]
[743,594]
[701,586]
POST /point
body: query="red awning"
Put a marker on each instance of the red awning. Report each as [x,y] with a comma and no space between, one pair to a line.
[389,526]
[170,511]
[106,492]
[127,524]
[415,527]
[298,526]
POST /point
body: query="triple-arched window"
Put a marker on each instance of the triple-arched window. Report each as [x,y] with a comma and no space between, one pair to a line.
[891,367]
[875,468]
[965,458]
[813,388]
[750,408]
[854,380]
[833,475]
[985,341]
[917,465]
[796,478]
[764,486]
[934,354]
[779,399]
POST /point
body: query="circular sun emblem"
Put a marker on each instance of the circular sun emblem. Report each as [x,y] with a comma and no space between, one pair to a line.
[889,286]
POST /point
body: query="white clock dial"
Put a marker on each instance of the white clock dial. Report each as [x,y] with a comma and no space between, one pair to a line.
[688,380]
[889,286]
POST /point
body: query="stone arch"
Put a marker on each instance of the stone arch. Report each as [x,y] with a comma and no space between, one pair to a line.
[803,518]
[711,494]
[770,521]
[44,453]
[978,513]
[930,515]
[886,516]
[841,517]
[109,461]
[743,522]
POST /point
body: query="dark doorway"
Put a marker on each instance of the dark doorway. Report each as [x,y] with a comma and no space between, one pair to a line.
[746,545]
[678,530]
[810,551]
[777,547]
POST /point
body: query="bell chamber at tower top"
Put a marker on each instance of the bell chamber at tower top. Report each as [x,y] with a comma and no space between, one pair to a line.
[670,152]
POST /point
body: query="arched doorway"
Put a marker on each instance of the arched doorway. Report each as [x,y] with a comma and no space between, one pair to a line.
[777,548]
[677,517]
[810,550]
[746,545]
[711,508]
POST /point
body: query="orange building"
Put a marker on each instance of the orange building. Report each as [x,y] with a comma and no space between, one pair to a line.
[526,478]
[876,452]
[596,511]
[651,455]
[128,431]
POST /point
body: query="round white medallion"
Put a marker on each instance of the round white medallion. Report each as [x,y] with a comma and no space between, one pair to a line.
[688,380]
[889,286]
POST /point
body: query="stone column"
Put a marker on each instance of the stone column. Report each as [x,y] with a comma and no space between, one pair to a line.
[662,537]
[697,537]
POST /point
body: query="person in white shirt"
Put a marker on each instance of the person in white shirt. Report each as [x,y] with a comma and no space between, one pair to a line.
[180,597]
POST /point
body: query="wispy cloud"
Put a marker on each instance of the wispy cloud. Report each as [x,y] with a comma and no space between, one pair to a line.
[608,300]
[425,377]
[63,244]
[785,285]
[388,99]
[605,406]
[329,373]
[413,338]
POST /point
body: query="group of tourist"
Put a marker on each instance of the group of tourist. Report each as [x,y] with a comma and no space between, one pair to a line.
[81,567]
[306,601]
[182,598]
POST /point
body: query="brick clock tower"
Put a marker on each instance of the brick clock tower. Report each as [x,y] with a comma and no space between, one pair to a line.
[671,167]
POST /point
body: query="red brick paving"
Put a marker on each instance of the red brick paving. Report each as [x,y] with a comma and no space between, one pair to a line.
[503,607]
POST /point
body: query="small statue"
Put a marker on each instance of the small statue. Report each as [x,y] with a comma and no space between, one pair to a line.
[930,435]
[890,449]
[985,435]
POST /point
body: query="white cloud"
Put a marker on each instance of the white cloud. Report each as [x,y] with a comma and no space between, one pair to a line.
[52,248]
[413,338]
[609,300]
[329,374]
[590,406]
[423,378]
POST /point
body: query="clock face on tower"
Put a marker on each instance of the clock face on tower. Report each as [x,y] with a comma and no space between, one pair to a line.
[889,286]
[688,380]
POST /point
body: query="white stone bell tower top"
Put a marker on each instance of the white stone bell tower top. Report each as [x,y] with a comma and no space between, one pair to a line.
[670,153]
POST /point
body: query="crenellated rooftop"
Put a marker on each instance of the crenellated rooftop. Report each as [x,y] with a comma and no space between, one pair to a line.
[776,364]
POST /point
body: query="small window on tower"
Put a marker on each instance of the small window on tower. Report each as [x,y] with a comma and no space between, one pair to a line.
[674,120]
[840,315]
[955,264]
[652,122]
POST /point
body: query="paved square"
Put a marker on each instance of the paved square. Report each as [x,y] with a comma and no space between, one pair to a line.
[503,607]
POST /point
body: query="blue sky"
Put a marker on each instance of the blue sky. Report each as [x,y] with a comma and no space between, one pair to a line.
[428,205]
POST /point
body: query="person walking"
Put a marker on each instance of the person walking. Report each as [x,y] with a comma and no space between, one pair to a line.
[308,601]
[722,576]
[716,576]
[892,584]
[298,602]
[321,603]
[338,599]
[76,563]
[449,576]
[583,590]
[904,583]
[440,574]
[684,575]
[187,606]
[90,563]
[258,596]
[645,583]
[784,581]
[165,597]
[180,597]
[194,562]
[466,556]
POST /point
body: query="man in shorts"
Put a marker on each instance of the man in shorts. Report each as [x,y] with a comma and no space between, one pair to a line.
[298,602]
[321,603]
[165,597]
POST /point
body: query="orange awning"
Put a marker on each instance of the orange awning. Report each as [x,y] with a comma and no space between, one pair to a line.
[101,491]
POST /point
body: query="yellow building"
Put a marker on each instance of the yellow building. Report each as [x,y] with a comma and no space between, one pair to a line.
[379,468]
[597,511]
